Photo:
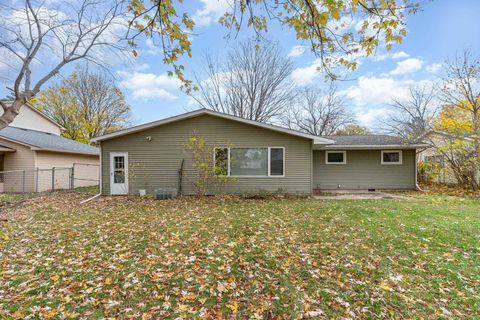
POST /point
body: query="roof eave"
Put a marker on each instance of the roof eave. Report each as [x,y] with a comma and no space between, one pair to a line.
[196,113]
[374,147]
[66,151]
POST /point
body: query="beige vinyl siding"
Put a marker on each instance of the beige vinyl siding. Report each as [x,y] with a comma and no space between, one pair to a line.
[86,167]
[156,163]
[363,170]
[22,159]
[28,118]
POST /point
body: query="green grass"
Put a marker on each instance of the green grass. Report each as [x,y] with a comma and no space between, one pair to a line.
[89,189]
[228,257]
[14,197]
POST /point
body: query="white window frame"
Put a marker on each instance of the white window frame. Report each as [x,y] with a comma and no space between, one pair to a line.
[269,175]
[344,157]
[400,157]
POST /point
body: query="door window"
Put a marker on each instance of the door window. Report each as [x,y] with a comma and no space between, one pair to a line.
[119,169]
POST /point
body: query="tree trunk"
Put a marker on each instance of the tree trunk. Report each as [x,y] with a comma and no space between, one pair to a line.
[476,147]
[10,112]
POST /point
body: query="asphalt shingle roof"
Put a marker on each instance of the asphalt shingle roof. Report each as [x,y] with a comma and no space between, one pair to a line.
[44,140]
[367,140]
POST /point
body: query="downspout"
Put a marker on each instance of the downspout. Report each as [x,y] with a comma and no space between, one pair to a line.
[100,179]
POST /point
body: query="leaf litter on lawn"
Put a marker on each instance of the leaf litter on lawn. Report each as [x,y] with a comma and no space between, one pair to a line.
[227,257]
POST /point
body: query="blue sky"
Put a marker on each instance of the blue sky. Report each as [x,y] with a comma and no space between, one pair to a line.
[440,30]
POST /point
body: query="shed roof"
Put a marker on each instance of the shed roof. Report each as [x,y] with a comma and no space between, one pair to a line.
[40,140]
[372,141]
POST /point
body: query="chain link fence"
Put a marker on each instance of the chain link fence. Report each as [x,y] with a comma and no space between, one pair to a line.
[53,179]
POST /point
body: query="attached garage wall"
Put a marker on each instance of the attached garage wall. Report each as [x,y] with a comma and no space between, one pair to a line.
[363,170]
[86,167]
[156,163]
[22,159]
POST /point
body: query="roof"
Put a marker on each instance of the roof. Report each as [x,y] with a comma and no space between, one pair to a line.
[6,149]
[444,134]
[39,140]
[196,113]
[372,141]
[37,111]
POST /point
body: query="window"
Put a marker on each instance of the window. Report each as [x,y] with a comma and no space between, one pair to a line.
[250,162]
[335,157]
[392,157]
[221,161]
[276,162]
[119,169]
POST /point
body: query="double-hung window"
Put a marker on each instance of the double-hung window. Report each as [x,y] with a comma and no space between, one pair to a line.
[250,162]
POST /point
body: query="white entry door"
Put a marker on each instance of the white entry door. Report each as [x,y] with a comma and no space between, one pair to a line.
[118,173]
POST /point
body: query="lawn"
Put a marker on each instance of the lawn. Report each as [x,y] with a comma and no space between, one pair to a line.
[236,258]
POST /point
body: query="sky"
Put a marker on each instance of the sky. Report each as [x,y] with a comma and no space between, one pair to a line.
[441,29]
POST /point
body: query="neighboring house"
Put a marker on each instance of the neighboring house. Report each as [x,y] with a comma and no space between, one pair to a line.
[31,145]
[431,155]
[260,156]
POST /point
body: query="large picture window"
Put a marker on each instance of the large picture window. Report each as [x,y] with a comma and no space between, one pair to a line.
[250,162]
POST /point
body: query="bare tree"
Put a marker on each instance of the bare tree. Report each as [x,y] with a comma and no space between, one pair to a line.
[86,104]
[252,82]
[68,32]
[352,130]
[411,118]
[318,112]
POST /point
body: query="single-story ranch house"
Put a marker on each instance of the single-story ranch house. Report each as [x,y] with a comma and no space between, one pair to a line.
[261,157]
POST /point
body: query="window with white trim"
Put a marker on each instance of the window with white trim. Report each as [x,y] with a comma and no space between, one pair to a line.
[250,162]
[391,157]
[335,157]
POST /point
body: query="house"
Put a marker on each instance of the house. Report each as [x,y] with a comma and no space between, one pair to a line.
[439,169]
[32,145]
[261,157]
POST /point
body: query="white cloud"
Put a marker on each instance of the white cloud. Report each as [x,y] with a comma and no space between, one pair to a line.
[343,24]
[434,67]
[211,11]
[150,85]
[407,66]
[379,57]
[141,67]
[297,51]
[400,55]
[370,117]
[381,90]
[371,96]
[305,76]
[151,48]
